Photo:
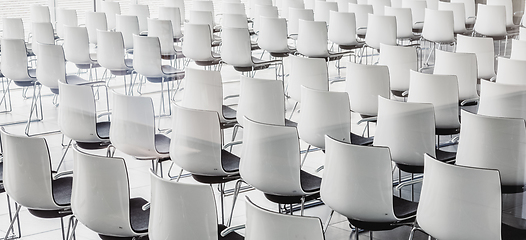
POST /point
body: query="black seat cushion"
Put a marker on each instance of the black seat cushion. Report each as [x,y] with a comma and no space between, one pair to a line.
[2,189]
[445,156]
[139,218]
[230,236]
[289,123]
[359,140]
[442,156]
[402,209]
[230,164]
[103,130]
[309,182]
[229,113]
[162,143]
[351,47]
[229,161]
[61,188]
[447,131]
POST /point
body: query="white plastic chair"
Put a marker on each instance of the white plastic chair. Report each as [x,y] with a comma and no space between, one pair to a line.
[418,13]
[404,23]
[197,45]
[508,4]
[469,8]
[233,8]
[309,72]
[95,21]
[101,188]
[163,30]
[13,28]
[380,30]
[111,9]
[361,12]
[313,40]
[464,66]
[484,51]
[379,5]
[76,49]
[142,12]
[178,4]
[491,22]
[110,55]
[400,60]
[65,17]
[518,49]
[474,190]
[495,143]
[438,29]
[264,11]
[510,71]
[342,30]
[273,37]
[173,14]
[322,10]
[207,6]
[459,15]
[128,25]
[295,14]
[42,33]
[357,183]
[288,4]
[502,100]
[39,13]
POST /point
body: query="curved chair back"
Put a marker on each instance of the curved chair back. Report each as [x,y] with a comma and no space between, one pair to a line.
[441,91]
[469,8]
[476,191]
[205,5]
[309,72]
[264,11]
[511,71]
[270,160]
[233,8]
[502,100]
[491,21]
[65,17]
[459,15]
[13,28]
[178,4]
[414,122]
[142,11]
[342,29]
[133,129]
[234,21]
[365,83]
[236,48]
[379,6]
[27,174]
[417,11]
[494,143]
[324,113]
[202,17]
[76,45]
[51,66]
[312,39]
[399,60]
[361,12]
[404,21]
[438,26]
[173,14]
[95,21]
[295,14]
[369,168]
[380,29]
[163,30]
[128,25]
[263,224]
[110,50]
[181,210]
[464,66]
[111,9]
[14,60]
[203,90]
[288,4]
[518,49]
[508,5]
[196,141]
[273,35]
[261,100]
[484,51]
[147,56]
[39,13]
[42,33]
[322,10]
[197,42]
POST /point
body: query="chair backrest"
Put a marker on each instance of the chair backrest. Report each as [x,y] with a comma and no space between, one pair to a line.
[39,13]
[464,66]
[441,91]
[270,159]
[261,100]
[234,21]
[178,4]
[518,49]
[264,11]
[142,12]
[236,47]
[322,10]
[438,26]
[295,14]
[361,12]
[379,5]
[197,141]
[345,164]
[502,100]
[101,188]
[288,4]
[404,21]
[202,17]
[396,4]
[263,224]
[365,83]
[312,39]
[95,21]
[110,50]
[308,72]
[483,49]
[147,56]
[233,8]
[491,20]
[510,71]
[128,25]
[476,191]
[417,9]
[380,29]
[459,15]
[253,13]
[503,149]
[51,65]
[76,45]
[469,8]
[273,34]
[164,31]
[414,121]
[77,117]
[27,174]
[173,14]
[197,42]
[111,9]
[203,5]
[42,33]
[508,4]
[342,29]
[324,113]
[13,28]
[65,17]
[181,210]
[400,60]
[133,129]
[14,59]
[203,90]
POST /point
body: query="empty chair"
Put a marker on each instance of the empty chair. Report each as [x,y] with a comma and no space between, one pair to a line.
[361,12]
[491,22]
[111,9]
[484,51]
[202,17]
[362,175]
[143,13]
[510,71]
[95,21]
[459,15]
[197,45]
[39,13]
[288,4]
[322,10]
[13,28]
[65,17]
[163,30]
[128,25]
[312,41]
[502,100]
[233,8]
[309,72]
[110,55]
[518,49]
[173,14]
[404,23]
[508,5]
[273,37]
[380,30]
[178,4]
[474,190]
[342,30]
[469,8]
[77,51]
[379,5]
[101,188]
[264,11]
[295,14]
[438,28]
[207,6]
[400,60]
[418,13]
[28,178]
[504,149]
[42,33]
[464,66]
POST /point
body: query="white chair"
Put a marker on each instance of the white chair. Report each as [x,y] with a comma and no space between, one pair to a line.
[101,188]
[295,14]
[65,17]
[379,6]
[459,15]
[110,55]
[263,11]
[518,49]
[207,6]
[128,25]
[502,100]
[163,30]
[39,13]
[111,9]
[479,198]
[288,4]
[178,4]
[464,66]
[342,30]
[143,13]
[438,28]
[484,51]
[322,10]
[508,4]
[198,44]
[380,30]
[173,14]
[491,22]
[510,71]
[42,33]
[361,12]
[400,60]
[95,21]
[358,184]
[313,40]
[13,28]
[418,13]
[495,143]
[273,37]
[469,8]
[233,8]
[404,23]
[77,51]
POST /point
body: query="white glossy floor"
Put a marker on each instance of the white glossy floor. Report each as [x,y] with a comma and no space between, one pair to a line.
[34,228]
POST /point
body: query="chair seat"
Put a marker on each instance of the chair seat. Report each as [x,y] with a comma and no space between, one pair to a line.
[74,79]
[139,218]
[30,81]
[230,236]
[309,182]
[402,209]
[359,140]
[103,130]
[61,188]
[447,131]
[257,64]
[289,123]
[351,46]
[229,113]
[88,65]
[162,144]
[215,59]
[229,161]
[442,156]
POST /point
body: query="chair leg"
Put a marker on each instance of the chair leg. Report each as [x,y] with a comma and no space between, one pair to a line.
[15,217]
[64,155]
[222,192]
[73,221]
[236,193]
[305,156]
[302,206]
[328,221]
